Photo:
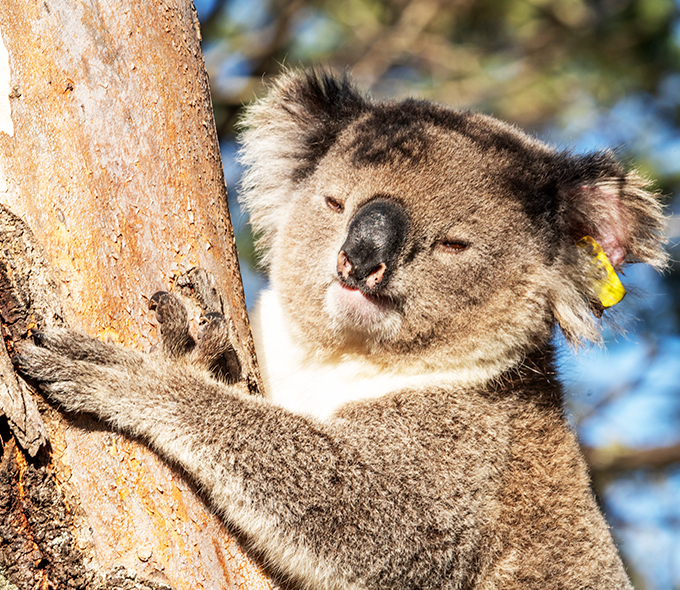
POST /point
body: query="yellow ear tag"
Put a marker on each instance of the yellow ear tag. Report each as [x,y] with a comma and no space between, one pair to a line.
[608,287]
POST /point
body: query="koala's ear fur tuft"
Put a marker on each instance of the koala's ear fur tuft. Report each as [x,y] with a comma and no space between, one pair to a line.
[618,210]
[285,135]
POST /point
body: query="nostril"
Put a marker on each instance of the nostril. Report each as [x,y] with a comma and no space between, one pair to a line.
[376,275]
[349,276]
[344,265]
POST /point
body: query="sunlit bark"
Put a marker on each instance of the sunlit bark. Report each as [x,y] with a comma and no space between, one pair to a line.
[111,187]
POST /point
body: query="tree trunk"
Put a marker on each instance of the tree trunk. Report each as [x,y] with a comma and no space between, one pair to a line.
[111,188]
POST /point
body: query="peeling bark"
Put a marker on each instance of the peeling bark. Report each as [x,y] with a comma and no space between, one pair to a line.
[111,188]
[39,548]
[28,297]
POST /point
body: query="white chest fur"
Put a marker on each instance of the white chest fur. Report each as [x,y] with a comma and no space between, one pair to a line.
[318,388]
[303,384]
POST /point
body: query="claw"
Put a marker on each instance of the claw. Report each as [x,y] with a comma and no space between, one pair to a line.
[40,339]
[174,323]
[156,298]
[18,360]
[210,317]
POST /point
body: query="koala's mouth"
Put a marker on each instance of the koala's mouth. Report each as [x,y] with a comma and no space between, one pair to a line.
[372,297]
[363,312]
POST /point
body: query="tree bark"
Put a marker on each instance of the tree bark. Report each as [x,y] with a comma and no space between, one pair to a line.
[111,188]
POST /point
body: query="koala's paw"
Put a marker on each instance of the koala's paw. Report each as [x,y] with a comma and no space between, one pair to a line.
[172,316]
[75,370]
[214,349]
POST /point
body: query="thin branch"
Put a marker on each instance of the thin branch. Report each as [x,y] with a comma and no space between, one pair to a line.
[607,461]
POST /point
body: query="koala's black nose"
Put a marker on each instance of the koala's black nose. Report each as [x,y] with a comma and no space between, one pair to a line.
[374,241]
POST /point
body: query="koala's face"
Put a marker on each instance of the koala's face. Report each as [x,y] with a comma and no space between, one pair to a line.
[412,243]
[408,230]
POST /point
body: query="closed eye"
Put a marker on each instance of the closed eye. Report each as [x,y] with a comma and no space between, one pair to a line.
[334,205]
[452,246]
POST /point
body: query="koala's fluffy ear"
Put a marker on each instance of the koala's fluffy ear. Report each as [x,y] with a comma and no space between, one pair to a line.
[617,209]
[284,137]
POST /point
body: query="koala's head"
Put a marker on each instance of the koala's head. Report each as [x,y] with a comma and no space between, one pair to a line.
[409,230]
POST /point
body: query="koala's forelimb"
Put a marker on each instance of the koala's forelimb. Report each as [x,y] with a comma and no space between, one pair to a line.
[212,350]
[292,484]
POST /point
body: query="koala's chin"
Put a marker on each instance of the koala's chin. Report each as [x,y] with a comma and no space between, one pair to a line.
[356,315]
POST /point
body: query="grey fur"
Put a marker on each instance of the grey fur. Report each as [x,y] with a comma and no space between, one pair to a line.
[463,473]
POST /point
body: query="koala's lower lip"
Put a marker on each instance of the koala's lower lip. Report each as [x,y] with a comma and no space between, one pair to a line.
[363,308]
[375,299]
[371,316]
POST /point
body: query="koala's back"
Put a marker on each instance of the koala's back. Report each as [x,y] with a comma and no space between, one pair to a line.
[553,532]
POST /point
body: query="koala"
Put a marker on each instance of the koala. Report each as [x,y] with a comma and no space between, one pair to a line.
[412,434]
